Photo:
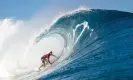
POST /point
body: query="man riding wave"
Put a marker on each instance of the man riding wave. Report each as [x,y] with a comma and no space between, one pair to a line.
[45,59]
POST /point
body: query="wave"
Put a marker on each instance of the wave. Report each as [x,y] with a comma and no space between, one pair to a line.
[98,45]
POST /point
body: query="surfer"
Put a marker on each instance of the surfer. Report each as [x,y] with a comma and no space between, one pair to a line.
[45,59]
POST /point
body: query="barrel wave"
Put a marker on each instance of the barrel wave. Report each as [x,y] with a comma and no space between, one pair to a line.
[98,45]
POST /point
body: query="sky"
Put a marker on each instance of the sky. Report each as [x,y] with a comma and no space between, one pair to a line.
[26,9]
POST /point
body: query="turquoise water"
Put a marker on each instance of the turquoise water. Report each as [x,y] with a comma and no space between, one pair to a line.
[101,51]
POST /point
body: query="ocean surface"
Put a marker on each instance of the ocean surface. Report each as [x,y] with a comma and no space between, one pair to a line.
[99,44]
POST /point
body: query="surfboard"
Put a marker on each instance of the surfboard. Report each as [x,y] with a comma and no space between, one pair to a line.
[35,73]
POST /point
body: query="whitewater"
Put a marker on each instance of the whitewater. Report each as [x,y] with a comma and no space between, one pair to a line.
[90,44]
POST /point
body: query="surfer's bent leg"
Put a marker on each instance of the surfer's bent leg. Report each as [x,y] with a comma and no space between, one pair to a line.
[46,60]
[43,63]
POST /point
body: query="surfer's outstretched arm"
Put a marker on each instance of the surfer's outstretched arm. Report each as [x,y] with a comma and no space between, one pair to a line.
[54,55]
[49,61]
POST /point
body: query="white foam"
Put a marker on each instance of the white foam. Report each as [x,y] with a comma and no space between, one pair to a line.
[17,53]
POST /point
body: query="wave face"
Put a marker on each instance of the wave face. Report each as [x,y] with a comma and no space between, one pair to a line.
[99,44]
